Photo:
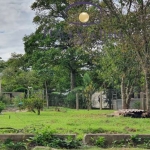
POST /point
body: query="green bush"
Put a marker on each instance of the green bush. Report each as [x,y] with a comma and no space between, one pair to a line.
[19,102]
[34,103]
[10,145]
[5,99]
[2,106]
[70,100]
[101,142]
[136,105]
[47,138]
[20,89]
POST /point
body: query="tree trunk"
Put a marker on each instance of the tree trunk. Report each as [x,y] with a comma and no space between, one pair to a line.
[89,102]
[38,111]
[129,91]
[147,88]
[126,92]
[77,101]
[100,100]
[72,83]
[46,94]
[123,95]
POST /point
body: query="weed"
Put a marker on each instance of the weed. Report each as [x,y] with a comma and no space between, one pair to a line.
[101,142]
[10,145]
[120,143]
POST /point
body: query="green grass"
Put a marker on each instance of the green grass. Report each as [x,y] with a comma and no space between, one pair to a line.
[74,121]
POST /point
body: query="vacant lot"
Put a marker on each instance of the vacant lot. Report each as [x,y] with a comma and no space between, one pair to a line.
[72,121]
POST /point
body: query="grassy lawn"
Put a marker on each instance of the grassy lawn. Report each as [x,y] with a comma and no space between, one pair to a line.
[73,121]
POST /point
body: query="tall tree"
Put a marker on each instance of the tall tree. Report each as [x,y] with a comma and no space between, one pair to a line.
[51,16]
[133,19]
[17,74]
[120,65]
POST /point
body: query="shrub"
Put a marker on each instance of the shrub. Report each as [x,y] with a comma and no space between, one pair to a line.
[70,100]
[47,138]
[34,103]
[5,99]
[2,106]
[101,142]
[10,145]
[136,105]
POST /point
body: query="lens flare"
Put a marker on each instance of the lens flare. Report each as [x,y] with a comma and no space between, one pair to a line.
[84,17]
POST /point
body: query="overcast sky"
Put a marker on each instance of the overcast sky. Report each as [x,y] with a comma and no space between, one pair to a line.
[15,21]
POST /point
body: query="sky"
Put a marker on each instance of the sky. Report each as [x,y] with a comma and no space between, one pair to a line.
[16,19]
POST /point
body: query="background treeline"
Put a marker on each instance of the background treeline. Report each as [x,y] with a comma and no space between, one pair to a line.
[113,52]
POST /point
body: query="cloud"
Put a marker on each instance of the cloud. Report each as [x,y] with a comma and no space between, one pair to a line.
[15,21]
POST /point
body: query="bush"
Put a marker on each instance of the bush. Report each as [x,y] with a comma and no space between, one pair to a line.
[10,145]
[5,99]
[2,106]
[70,100]
[136,105]
[47,138]
[101,142]
[19,102]
[35,102]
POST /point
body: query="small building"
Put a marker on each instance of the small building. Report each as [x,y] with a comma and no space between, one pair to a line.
[96,100]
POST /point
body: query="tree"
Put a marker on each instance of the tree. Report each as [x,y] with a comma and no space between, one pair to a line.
[132,18]
[89,89]
[17,75]
[63,50]
[2,65]
[35,102]
[120,65]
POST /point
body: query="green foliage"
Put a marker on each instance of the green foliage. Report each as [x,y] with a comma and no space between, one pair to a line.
[20,89]
[100,142]
[133,141]
[119,143]
[57,99]
[2,65]
[2,106]
[47,138]
[89,89]
[146,144]
[4,99]
[86,79]
[93,130]
[10,145]
[35,102]
[137,105]
[19,102]
[70,100]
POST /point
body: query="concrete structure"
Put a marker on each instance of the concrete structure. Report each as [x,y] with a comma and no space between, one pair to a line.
[15,137]
[96,100]
[22,137]
[11,95]
[87,140]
